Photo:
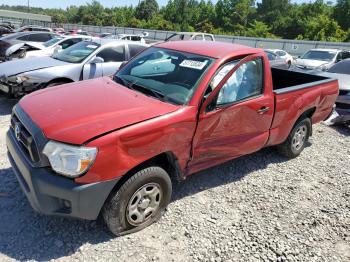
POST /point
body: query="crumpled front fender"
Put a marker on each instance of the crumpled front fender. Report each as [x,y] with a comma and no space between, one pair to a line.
[13,49]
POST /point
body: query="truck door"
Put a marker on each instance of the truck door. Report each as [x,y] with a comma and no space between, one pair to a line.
[237,115]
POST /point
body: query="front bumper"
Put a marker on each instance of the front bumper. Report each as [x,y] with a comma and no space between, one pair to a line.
[52,194]
[18,89]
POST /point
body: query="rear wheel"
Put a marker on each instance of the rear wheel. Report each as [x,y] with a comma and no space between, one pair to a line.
[139,202]
[297,139]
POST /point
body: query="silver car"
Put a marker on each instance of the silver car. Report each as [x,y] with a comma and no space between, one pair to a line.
[84,60]
[276,61]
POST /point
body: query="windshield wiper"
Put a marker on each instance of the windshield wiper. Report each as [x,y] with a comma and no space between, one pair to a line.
[120,80]
[145,90]
[151,91]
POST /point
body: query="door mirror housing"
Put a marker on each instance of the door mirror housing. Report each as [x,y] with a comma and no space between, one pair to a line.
[97,60]
[57,49]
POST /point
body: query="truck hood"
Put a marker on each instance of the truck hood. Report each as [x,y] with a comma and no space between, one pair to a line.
[77,112]
[309,63]
[15,67]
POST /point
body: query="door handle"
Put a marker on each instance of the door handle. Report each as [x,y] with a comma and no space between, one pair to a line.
[263,110]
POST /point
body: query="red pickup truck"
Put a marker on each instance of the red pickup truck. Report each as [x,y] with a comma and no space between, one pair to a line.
[114,145]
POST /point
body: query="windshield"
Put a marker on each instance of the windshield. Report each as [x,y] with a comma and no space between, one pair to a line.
[52,41]
[78,52]
[319,55]
[168,75]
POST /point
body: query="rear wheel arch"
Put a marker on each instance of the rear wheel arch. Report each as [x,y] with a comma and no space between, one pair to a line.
[306,114]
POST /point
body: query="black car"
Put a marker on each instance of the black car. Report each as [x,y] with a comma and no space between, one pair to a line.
[5,30]
[17,38]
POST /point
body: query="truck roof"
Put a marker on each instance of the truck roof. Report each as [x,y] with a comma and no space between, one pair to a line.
[209,48]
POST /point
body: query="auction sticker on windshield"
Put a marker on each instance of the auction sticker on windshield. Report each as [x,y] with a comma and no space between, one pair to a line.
[92,46]
[194,64]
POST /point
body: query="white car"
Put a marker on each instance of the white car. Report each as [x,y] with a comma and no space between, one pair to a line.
[181,36]
[54,45]
[129,37]
[321,59]
[283,54]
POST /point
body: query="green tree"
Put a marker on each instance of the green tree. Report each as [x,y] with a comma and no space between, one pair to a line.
[233,15]
[146,9]
[259,29]
[323,28]
[342,13]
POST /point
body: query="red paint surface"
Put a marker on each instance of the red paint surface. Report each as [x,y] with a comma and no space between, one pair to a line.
[137,128]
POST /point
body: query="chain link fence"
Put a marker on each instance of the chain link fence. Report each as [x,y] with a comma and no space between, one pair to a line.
[294,47]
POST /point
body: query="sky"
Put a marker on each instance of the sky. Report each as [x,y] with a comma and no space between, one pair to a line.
[65,3]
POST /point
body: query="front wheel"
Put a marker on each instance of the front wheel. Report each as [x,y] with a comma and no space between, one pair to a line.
[297,139]
[139,202]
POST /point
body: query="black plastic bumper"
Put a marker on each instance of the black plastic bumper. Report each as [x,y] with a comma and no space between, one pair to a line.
[52,194]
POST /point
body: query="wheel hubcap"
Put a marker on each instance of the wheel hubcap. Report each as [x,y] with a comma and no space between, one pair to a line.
[299,137]
[144,204]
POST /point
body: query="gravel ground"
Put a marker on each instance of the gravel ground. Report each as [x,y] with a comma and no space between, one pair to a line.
[257,208]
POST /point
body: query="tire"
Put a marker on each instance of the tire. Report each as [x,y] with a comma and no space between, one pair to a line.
[130,208]
[297,139]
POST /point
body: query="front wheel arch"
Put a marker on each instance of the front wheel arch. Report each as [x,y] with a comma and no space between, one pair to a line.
[61,80]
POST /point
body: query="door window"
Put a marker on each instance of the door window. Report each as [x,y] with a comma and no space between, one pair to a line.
[135,49]
[245,82]
[271,56]
[281,53]
[39,37]
[198,37]
[113,54]
[70,42]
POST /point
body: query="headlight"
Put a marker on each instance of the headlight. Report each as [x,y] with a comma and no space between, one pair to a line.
[68,160]
[322,67]
[18,79]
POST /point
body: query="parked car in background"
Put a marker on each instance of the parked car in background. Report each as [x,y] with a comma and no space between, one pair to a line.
[321,59]
[84,60]
[5,30]
[77,32]
[10,42]
[52,46]
[181,36]
[276,61]
[30,28]
[103,35]
[341,112]
[283,54]
[113,146]
[129,37]
[59,30]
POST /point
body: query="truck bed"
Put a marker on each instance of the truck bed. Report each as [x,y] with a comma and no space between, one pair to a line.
[286,81]
[298,93]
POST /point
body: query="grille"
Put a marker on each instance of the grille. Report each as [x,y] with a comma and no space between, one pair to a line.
[25,139]
[342,106]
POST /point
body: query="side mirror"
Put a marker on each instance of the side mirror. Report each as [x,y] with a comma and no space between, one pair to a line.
[97,60]
[57,49]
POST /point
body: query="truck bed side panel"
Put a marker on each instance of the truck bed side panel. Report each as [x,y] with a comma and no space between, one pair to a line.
[289,106]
